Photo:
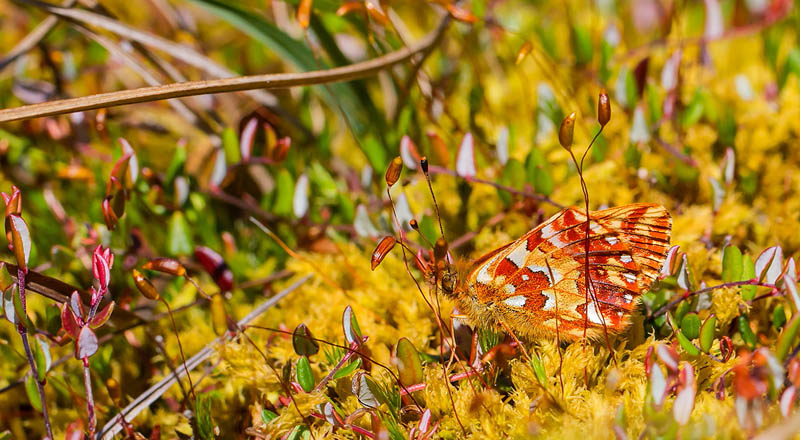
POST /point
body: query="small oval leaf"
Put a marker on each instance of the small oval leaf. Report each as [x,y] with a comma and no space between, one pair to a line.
[305,377]
[707,333]
[87,343]
[746,332]
[787,337]
[690,325]
[686,344]
[350,325]
[303,342]
[102,316]
[409,365]
[731,264]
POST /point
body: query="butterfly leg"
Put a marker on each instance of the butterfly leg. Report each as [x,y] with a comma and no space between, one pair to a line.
[514,337]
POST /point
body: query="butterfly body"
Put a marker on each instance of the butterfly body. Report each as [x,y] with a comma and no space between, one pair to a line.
[536,285]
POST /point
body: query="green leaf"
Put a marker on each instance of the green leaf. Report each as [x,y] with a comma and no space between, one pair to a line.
[41,356]
[787,337]
[681,310]
[305,377]
[268,416]
[205,423]
[179,239]
[539,172]
[284,189]
[778,316]
[176,165]
[731,264]
[707,333]
[230,143]
[409,365]
[747,333]
[299,432]
[297,53]
[347,369]
[538,370]
[694,111]
[582,45]
[790,67]
[352,332]
[32,390]
[687,345]
[748,273]
[303,341]
[690,325]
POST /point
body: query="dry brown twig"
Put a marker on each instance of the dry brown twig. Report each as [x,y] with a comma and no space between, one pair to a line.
[241,83]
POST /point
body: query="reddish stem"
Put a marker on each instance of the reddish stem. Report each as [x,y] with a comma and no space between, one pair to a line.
[87,381]
[23,333]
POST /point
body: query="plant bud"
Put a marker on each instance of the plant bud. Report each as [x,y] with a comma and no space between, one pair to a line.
[566,131]
[383,249]
[603,108]
[393,172]
[145,286]
[414,225]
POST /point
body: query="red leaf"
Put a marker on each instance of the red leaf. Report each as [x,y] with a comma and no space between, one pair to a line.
[87,343]
[77,305]
[102,316]
[68,321]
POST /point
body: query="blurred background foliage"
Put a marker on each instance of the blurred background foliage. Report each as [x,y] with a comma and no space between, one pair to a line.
[705,120]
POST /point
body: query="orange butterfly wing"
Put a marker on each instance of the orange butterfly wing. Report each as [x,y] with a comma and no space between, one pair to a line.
[536,284]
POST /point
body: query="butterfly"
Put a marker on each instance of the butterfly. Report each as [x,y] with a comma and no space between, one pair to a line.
[536,286]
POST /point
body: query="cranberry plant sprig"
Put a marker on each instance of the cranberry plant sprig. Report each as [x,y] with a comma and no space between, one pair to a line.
[80,323]
[19,241]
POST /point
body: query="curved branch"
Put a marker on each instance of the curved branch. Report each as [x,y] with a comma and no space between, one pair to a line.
[252,82]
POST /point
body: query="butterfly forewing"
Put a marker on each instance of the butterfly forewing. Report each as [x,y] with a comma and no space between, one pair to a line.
[537,284]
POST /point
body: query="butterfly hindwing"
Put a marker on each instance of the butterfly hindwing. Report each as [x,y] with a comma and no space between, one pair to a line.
[537,283]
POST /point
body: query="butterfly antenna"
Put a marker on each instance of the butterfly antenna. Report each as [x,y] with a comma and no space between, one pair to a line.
[415,226]
[392,176]
[423,163]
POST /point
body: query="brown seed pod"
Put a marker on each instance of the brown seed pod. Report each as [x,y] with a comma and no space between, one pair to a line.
[145,286]
[566,131]
[166,265]
[603,108]
[393,172]
[423,163]
[414,225]
[382,250]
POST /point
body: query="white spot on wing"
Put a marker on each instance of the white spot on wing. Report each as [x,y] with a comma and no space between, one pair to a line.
[515,301]
[510,289]
[593,314]
[557,277]
[629,277]
[612,240]
[518,255]
[628,297]
[525,277]
[550,302]
[483,275]
[626,258]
